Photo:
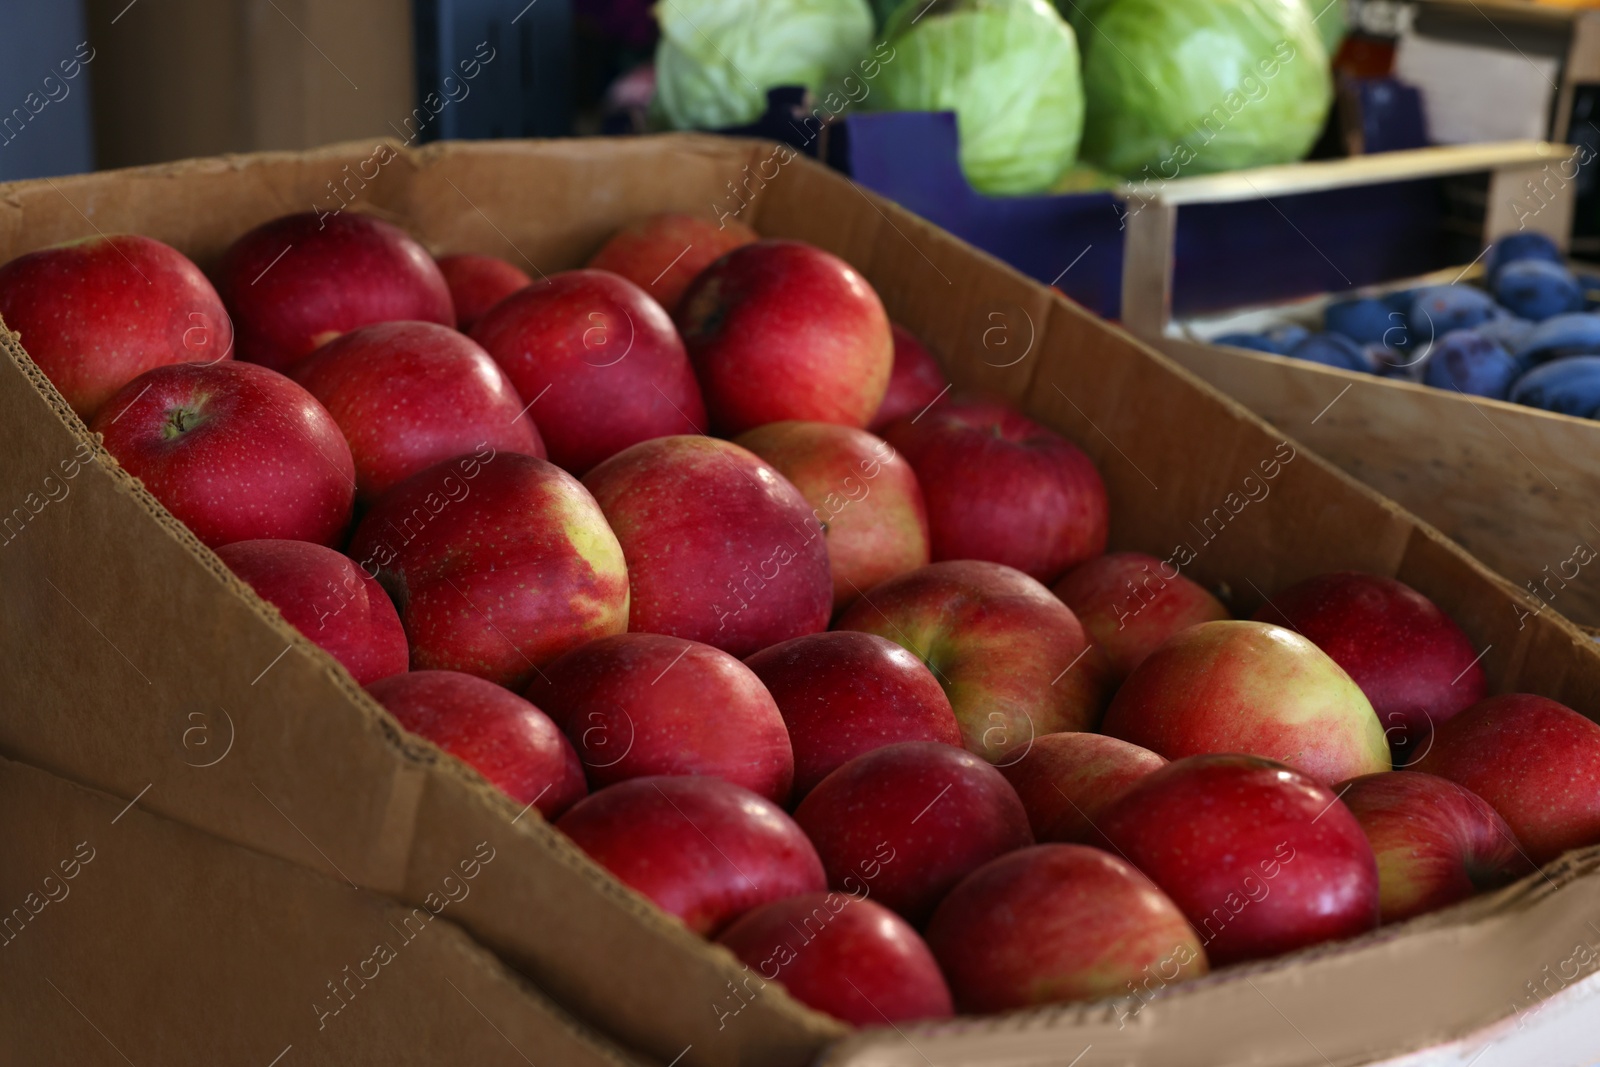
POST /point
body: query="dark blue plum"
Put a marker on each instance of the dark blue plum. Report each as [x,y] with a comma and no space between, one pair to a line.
[1390,362]
[1287,336]
[1397,363]
[1574,334]
[1382,358]
[1570,386]
[1276,341]
[1589,282]
[1537,290]
[1469,361]
[1508,330]
[1396,334]
[1332,350]
[1401,300]
[1256,342]
[1364,320]
[1517,248]
[1443,308]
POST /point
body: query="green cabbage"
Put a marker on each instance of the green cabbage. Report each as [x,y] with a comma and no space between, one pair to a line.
[1007,68]
[1082,14]
[885,8]
[1199,86]
[1333,23]
[717,58]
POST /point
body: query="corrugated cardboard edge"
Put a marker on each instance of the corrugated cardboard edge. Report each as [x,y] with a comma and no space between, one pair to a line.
[391,857]
[452,805]
[1425,989]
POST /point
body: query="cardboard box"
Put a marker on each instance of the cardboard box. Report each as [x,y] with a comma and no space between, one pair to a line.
[135,664]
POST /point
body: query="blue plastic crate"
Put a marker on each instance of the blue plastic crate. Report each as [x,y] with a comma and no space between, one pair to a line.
[1227,254]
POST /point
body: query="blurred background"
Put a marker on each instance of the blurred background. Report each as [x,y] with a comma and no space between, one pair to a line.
[166,79]
[1017,124]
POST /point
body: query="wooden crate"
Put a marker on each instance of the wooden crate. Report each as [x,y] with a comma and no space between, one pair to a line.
[1515,485]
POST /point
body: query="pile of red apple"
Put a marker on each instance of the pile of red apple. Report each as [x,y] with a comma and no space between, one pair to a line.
[804,684]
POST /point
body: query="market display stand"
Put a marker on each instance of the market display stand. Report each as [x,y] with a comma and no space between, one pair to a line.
[1515,485]
[121,635]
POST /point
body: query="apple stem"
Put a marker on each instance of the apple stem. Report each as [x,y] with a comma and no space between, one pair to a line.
[181,421]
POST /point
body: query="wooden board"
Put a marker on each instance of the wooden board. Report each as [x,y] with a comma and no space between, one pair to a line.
[1293,179]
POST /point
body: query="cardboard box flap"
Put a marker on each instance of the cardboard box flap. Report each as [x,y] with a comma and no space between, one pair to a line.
[135,939]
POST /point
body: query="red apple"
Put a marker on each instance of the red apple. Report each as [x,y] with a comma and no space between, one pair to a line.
[721,548]
[1013,659]
[411,394]
[1415,665]
[236,452]
[478,283]
[1066,781]
[1250,687]
[663,253]
[510,742]
[499,563]
[1130,605]
[1535,761]
[1058,923]
[704,850]
[845,693]
[327,598]
[1001,487]
[781,330]
[1260,858]
[297,282]
[600,362]
[914,384]
[1436,842]
[855,960]
[95,314]
[637,705]
[866,498]
[905,823]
